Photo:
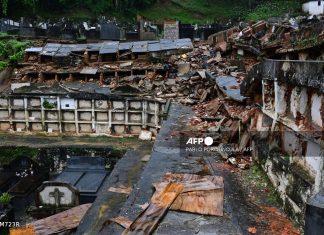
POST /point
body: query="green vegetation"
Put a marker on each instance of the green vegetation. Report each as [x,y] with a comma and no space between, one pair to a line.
[48,105]
[188,11]
[11,52]
[258,179]
[8,154]
[273,8]
[193,11]
[5,198]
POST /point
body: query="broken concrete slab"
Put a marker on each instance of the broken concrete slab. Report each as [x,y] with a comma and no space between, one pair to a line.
[145,135]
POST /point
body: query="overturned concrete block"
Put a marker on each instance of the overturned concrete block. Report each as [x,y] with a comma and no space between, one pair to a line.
[145,135]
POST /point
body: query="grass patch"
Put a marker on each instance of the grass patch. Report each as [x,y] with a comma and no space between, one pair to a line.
[192,11]
[258,179]
[8,154]
[273,9]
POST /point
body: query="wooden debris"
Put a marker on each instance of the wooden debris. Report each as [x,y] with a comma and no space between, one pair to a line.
[121,189]
[26,230]
[59,223]
[149,218]
[201,194]
[121,220]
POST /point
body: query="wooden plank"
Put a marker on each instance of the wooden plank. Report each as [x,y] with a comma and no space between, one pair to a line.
[121,220]
[205,199]
[147,221]
[121,189]
[61,222]
[26,230]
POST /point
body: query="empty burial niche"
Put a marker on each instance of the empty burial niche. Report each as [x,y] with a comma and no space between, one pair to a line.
[35,115]
[102,104]
[17,103]
[19,115]
[124,73]
[52,115]
[108,57]
[52,127]
[135,105]
[102,117]
[118,129]
[139,72]
[116,105]
[85,116]
[34,103]
[151,119]
[3,103]
[48,76]
[109,74]
[135,129]
[4,114]
[161,72]
[84,104]
[125,55]
[5,126]
[19,126]
[135,117]
[85,128]
[46,59]
[68,116]
[69,127]
[118,117]
[36,126]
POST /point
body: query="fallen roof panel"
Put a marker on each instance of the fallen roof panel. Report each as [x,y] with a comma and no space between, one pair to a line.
[140,47]
[34,49]
[230,87]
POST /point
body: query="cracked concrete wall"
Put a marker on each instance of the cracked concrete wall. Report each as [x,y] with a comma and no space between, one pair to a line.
[317,102]
[286,146]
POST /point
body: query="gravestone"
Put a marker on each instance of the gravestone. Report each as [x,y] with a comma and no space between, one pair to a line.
[171,30]
[53,197]
[57,194]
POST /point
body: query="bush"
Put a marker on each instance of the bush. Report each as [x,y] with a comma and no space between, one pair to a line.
[275,8]
[15,58]
[3,65]
[5,199]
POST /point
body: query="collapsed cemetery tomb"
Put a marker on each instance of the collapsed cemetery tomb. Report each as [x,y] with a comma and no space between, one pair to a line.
[75,100]
[275,105]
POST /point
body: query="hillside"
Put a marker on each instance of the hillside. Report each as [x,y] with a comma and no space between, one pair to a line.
[188,11]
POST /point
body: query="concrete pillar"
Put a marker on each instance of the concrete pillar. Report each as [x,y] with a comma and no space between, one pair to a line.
[26,114]
[86,57]
[144,114]
[101,78]
[40,77]
[93,118]
[56,78]
[71,78]
[43,114]
[58,100]
[76,117]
